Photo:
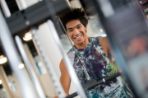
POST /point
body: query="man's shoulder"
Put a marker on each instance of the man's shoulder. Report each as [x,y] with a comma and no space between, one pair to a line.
[100,39]
[95,38]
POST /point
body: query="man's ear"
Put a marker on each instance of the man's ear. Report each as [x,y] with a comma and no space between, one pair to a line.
[86,29]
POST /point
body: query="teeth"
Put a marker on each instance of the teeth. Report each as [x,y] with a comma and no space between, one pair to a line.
[77,35]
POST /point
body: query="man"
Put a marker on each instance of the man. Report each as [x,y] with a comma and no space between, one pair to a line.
[89,60]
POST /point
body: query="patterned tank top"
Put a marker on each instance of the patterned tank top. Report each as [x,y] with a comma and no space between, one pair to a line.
[91,62]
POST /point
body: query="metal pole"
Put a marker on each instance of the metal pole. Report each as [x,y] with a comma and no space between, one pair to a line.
[5,82]
[30,68]
[5,8]
[51,70]
[25,84]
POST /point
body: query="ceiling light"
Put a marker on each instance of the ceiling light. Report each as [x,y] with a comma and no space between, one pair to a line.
[1,82]
[21,66]
[3,59]
[27,36]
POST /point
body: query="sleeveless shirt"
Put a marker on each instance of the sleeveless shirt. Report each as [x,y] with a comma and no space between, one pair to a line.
[91,63]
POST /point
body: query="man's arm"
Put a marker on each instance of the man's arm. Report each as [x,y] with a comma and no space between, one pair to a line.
[107,50]
[65,78]
[105,46]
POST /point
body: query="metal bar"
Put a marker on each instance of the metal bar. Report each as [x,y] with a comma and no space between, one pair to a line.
[49,66]
[5,8]
[33,15]
[30,68]
[24,19]
[5,82]
[25,84]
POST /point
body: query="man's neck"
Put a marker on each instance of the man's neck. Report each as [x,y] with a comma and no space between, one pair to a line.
[83,45]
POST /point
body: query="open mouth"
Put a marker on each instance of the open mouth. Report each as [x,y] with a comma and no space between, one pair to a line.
[77,35]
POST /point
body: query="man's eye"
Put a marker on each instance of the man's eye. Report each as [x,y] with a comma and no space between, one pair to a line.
[70,30]
[74,38]
[78,26]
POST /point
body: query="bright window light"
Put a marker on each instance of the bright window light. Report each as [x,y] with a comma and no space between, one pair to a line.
[104,35]
[101,30]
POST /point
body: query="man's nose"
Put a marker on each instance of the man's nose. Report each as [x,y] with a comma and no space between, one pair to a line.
[76,31]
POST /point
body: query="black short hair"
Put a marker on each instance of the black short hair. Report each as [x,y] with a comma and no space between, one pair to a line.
[73,14]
